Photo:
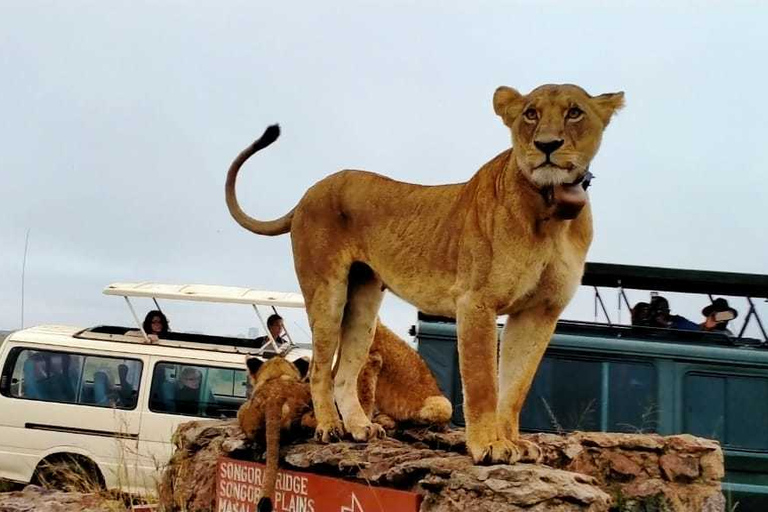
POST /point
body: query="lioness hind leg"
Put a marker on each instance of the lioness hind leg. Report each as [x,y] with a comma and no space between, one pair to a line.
[325,306]
[357,331]
[523,342]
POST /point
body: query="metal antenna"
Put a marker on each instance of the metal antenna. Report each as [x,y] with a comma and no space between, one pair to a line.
[23,271]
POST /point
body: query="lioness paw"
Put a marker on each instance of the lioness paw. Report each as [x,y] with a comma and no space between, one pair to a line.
[329,432]
[500,451]
[529,451]
[366,432]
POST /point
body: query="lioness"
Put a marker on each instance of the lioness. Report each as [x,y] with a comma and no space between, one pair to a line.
[510,241]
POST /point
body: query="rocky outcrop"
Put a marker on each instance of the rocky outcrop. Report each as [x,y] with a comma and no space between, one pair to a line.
[34,498]
[580,472]
[676,473]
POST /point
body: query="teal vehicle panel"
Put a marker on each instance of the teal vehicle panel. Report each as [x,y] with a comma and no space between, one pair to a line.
[634,380]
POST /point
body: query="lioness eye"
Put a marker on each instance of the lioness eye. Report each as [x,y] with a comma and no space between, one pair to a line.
[574,113]
[531,114]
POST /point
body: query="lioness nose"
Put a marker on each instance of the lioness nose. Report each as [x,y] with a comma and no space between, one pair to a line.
[548,147]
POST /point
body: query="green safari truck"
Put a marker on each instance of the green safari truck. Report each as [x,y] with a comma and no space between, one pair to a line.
[619,377]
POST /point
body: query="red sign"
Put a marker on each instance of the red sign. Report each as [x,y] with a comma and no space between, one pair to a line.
[238,488]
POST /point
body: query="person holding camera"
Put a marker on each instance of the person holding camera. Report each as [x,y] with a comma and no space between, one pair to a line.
[717,315]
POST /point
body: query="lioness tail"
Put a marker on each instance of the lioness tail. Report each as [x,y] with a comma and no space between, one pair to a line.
[271,227]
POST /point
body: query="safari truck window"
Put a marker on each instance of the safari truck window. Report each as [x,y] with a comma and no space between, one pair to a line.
[583,394]
[72,378]
[194,390]
[728,408]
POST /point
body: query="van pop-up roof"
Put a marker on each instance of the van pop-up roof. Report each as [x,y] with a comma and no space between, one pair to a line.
[211,293]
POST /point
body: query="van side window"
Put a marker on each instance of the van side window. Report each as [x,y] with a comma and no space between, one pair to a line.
[729,408]
[571,394]
[196,390]
[110,382]
[67,377]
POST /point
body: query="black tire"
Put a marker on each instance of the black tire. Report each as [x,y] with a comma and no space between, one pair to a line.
[68,472]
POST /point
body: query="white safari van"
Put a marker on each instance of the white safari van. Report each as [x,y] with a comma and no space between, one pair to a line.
[101,404]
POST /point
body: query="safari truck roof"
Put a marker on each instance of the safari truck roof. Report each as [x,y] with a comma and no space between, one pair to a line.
[751,287]
[675,280]
[711,283]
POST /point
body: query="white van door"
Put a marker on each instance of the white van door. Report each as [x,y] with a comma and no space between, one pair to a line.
[182,391]
[56,402]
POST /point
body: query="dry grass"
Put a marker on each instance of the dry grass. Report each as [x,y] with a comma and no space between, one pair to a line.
[8,486]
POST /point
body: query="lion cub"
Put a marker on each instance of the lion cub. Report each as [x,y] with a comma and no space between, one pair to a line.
[279,400]
[396,384]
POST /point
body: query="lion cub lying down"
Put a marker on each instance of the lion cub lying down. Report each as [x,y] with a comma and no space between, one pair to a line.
[395,384]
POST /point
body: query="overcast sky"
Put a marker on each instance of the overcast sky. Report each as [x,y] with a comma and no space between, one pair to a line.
[118,121]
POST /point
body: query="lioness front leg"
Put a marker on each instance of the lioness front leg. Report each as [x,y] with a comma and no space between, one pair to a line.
[523,342]
[476,324]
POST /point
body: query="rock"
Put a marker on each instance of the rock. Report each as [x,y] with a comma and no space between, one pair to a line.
[34,498]
[191,486]
[678,467]
[591,472]
[712,466]
[679,473]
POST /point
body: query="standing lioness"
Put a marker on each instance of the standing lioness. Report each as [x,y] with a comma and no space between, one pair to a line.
[510,241]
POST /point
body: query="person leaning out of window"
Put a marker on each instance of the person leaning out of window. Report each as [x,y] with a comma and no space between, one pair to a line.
[155,325]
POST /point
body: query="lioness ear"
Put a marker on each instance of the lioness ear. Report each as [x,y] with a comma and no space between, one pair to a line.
[608,104]
[503,98]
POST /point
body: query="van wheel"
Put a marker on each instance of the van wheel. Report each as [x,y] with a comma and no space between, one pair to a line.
[68,472]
